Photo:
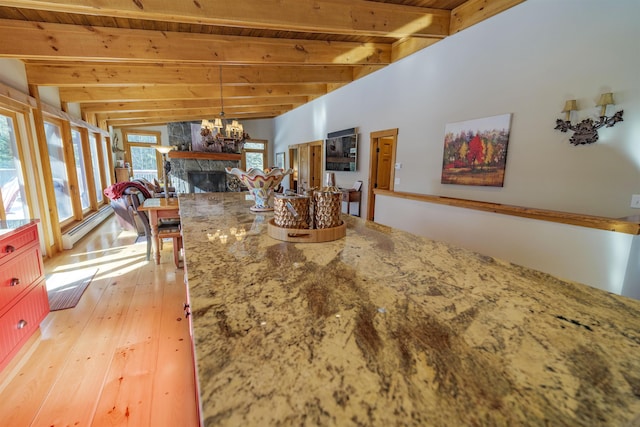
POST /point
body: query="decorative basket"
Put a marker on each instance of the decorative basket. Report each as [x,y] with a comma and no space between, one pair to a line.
[291,211]
[328,207]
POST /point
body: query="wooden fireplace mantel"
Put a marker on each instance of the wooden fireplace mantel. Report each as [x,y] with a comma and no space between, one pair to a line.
[201,155]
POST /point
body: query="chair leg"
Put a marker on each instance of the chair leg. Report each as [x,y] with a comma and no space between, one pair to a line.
[177,245]
[148,247]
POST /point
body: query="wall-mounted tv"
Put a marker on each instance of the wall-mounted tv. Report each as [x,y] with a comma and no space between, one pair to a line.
[341,150]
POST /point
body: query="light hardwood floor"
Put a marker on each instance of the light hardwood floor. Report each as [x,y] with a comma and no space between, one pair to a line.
[121,357]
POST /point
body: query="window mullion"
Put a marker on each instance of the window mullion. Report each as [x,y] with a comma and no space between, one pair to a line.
[101,156]
[88,170]
[70,164]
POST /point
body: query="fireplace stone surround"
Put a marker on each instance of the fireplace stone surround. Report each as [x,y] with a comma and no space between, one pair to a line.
[183,163]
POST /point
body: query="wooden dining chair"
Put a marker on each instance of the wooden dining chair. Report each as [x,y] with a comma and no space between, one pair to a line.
[167,228]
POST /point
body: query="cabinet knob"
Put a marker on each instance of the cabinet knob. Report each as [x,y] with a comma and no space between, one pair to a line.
[9,248]
[15,281]
[22,323]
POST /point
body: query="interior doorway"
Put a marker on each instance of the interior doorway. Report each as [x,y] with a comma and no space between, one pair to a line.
[306,161]
[381,166]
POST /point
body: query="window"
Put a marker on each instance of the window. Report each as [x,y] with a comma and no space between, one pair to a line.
[254,155]
[81,168]
[144,159]
[106,147]
[58,171]
[14,201]
[95,164]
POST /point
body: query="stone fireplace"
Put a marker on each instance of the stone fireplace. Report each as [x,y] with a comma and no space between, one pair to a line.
[196,172]
[207,181]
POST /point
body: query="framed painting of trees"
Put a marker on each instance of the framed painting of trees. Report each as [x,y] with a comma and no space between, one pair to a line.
[475,151]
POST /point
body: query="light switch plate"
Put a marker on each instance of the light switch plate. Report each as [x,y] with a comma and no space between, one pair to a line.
[635,201]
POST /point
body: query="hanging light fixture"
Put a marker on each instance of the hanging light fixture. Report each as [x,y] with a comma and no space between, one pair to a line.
[220,134]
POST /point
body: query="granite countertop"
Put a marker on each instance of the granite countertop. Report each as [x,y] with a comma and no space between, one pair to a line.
[386,328]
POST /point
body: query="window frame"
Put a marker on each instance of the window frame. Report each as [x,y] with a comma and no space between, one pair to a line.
[22,179]
[65,137]
[102,176]
[87,166]
[264,152]
[128,145]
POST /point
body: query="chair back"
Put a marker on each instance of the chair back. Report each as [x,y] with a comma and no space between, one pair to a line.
[134,200]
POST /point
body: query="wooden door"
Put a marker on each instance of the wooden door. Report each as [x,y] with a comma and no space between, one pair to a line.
[293,164]
[315,175]
[381,172]
[304,167]
[306,161]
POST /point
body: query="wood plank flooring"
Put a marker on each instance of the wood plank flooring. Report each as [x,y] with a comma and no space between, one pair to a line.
[121,357]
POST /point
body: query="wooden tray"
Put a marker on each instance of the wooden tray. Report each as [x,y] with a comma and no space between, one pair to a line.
[302,235]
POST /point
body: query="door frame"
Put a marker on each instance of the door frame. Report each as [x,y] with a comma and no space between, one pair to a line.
[316,164]
[373,166]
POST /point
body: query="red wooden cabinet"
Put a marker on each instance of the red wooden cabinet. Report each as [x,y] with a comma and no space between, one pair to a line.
[23,293]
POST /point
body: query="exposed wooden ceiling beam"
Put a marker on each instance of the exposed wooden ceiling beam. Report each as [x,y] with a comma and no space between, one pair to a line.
[142,93]
[180,104]
[325,16]
[473,11]
[407,46]
[183,118]
[62,42]
[160,60]
[202,113]
[108,74]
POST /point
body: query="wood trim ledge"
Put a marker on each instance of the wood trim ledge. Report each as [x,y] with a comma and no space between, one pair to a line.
[631,226]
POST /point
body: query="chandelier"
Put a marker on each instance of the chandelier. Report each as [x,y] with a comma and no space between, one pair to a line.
[222,135]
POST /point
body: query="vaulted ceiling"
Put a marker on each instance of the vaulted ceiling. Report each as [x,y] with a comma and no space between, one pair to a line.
[144,62]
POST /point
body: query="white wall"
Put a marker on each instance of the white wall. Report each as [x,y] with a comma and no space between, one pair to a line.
[526,61]
[13,73]
[261,129]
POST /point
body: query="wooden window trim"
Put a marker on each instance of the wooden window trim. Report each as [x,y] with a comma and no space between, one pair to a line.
[128,145]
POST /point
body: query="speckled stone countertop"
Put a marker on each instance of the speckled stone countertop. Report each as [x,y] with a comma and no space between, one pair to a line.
[383,328]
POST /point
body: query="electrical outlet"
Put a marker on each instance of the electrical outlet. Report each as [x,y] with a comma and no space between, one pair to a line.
[635,201]
[397,182]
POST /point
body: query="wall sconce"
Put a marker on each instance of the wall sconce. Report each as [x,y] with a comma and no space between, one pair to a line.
[586,132]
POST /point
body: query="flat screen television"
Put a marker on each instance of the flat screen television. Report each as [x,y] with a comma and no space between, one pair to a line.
[341,150]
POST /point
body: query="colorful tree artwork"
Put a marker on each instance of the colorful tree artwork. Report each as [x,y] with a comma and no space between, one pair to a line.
[475,151]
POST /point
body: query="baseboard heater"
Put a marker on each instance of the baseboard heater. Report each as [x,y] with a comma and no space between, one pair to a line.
[79,231]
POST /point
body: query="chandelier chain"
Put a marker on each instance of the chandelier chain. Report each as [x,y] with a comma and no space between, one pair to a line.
[221,99]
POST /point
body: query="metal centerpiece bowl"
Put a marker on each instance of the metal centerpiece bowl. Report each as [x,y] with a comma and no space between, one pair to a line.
[261,184]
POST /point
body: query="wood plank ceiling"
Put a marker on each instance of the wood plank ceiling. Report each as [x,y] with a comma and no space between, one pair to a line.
[144,62]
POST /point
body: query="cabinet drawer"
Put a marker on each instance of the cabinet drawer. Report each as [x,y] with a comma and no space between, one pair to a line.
[17,325]
[16,240]
[18,273]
